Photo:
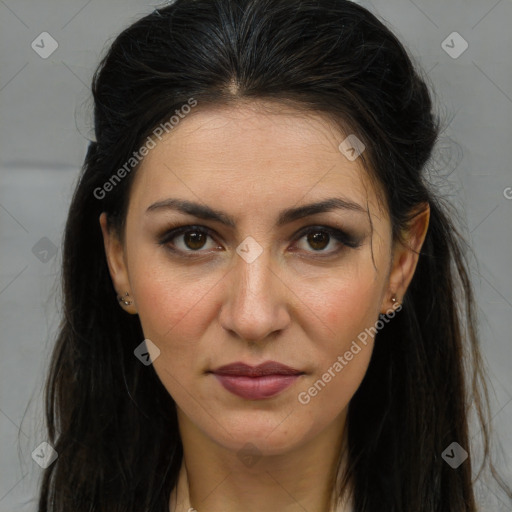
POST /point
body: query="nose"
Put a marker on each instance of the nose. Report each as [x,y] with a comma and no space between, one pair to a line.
[257,300]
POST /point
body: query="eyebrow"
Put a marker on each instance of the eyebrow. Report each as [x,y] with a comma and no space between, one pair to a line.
[286,216]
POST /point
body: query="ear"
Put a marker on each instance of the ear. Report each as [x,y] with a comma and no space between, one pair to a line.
[115,254]
[405,256]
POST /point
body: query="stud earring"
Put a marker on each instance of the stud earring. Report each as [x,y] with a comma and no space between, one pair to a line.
[123,300]
[395,301]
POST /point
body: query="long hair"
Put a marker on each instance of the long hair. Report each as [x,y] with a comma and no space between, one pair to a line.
[109,417]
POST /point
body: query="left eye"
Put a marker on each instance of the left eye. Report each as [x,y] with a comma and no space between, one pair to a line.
[318,239]
[321,237]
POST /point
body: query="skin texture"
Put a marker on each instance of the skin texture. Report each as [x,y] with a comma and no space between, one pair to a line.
[289,305]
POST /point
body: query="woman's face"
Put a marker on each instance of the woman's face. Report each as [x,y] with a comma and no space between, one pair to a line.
[256,272]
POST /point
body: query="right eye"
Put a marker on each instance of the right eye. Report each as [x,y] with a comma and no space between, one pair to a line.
[187,239]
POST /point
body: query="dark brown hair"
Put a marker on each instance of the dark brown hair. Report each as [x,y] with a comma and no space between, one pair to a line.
[109,417]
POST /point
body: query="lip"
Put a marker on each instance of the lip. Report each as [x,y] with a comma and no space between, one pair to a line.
[256,382]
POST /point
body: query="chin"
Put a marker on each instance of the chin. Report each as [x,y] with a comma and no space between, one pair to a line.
[266,437]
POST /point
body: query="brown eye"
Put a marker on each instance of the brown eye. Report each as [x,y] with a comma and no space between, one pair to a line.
[188,239]
[318,240]
[326,241]
[195,239]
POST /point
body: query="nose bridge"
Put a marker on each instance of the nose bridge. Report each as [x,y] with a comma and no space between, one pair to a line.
[254,278]
[255,306]
[253,265]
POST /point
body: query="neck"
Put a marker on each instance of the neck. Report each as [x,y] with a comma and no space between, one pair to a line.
[216,479]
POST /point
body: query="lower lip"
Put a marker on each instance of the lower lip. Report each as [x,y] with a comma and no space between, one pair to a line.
[256,388]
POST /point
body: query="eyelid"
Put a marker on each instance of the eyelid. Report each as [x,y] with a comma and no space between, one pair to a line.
[175,231]
[341,236]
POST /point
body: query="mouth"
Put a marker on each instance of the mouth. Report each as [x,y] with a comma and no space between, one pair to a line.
[256,382]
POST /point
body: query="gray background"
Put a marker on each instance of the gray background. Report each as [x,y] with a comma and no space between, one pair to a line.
[45,123]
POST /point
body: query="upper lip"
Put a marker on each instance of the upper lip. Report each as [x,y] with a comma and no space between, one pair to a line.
[266,368]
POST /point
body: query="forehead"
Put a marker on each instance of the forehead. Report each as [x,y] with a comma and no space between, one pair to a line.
[258,150]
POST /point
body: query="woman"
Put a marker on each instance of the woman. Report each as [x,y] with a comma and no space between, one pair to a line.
[266,308]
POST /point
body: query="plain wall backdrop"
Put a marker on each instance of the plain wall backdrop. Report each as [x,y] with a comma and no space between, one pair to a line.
[464,48]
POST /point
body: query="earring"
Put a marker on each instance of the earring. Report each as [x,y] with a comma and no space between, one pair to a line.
[394,300]
[123,300]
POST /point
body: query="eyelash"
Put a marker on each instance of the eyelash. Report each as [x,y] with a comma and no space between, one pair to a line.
[340,236]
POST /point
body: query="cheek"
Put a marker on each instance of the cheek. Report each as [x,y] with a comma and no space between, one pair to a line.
[173,310]
[172,305]
[348,308]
